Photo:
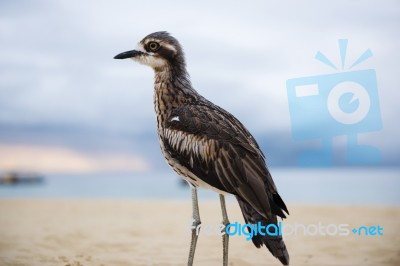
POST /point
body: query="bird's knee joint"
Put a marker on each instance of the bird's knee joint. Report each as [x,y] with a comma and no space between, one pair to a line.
[225,222]
[196,223]
[195,228]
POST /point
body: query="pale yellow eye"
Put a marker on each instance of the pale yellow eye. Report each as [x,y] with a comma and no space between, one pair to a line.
[153,46]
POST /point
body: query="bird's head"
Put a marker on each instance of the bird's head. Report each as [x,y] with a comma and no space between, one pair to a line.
[158,50]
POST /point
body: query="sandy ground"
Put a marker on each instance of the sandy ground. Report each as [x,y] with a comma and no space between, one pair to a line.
[117,232]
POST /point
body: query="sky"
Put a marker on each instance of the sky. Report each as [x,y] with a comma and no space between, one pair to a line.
[67,106]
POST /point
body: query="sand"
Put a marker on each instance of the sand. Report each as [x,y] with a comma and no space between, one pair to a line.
[127,232]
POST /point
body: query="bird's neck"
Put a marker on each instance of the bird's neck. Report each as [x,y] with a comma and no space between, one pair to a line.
[172,88]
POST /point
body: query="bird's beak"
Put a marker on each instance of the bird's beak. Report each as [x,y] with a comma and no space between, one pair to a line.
[128,54]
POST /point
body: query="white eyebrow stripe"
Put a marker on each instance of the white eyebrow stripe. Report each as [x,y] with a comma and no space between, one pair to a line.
[140,48]
[169,46]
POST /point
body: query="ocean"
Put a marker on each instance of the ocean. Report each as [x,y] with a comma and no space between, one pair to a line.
[367,186]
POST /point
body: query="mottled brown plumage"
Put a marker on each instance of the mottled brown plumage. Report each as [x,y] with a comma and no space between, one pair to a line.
[206,145]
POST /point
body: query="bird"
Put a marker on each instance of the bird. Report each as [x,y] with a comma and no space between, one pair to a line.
[208,147]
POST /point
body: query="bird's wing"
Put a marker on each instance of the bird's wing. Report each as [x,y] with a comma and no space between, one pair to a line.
[217,148]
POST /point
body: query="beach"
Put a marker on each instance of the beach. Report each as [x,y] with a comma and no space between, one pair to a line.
[84,232]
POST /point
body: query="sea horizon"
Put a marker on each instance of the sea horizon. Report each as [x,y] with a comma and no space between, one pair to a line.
[361,186]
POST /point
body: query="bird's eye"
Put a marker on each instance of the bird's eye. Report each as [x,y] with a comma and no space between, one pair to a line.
[153,46]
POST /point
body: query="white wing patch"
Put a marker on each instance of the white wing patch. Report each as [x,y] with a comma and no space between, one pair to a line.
[191,145]
[175,118]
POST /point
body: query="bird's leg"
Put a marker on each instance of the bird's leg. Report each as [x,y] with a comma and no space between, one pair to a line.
[225,237]
[195,223]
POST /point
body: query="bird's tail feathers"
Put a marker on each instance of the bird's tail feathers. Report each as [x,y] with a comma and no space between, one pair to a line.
[275,244]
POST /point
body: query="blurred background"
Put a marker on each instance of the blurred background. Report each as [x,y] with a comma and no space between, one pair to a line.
[76,123]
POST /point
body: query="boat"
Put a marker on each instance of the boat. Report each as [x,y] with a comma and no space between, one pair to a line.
[15,178]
